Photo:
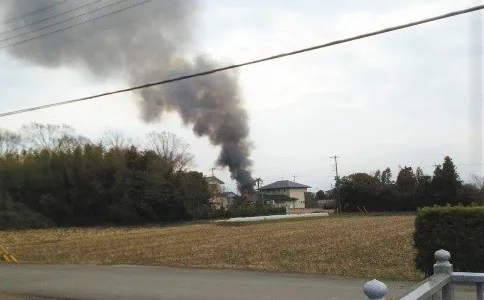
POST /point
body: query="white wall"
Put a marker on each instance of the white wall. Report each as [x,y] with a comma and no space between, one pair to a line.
[299,194]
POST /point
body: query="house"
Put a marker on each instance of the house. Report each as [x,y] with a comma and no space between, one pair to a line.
[285,193]
[277,200]
[215,185]
[230,196]
[217,190]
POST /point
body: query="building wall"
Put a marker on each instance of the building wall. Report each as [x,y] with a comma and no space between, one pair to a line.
[215,188]
[294,193]
[277,192]
[299,194]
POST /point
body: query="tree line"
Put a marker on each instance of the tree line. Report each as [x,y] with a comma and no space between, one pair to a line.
[49,175]
[411,189]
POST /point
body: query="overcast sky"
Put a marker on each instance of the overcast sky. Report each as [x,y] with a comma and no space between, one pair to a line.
[397,99]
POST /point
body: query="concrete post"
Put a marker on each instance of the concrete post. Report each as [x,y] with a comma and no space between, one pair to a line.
[443,266]
[375,290]
[480,290]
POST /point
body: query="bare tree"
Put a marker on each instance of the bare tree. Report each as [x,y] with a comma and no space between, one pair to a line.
[171,147]
[115,139]
[9,142]
[49,137]
[477,181]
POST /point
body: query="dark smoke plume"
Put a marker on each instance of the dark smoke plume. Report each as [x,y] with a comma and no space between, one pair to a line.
[142,44]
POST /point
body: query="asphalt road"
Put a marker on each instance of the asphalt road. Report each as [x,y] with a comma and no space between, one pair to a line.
[143,282]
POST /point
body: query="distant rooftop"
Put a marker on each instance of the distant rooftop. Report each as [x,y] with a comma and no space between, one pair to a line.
[214,179]
[229,194]
[284,184]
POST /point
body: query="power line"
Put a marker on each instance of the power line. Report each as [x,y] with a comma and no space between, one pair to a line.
[50,17]
[62,21]
[33,12]
[77,24]
[212,71]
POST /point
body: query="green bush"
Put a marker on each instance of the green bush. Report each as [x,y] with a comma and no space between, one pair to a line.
[459,230]
[14,215]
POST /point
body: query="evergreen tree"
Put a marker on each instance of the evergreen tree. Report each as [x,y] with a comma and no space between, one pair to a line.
[446,183]
[406,180]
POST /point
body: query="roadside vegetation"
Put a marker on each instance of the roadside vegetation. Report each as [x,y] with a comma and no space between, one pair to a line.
[412,189]
[365,246]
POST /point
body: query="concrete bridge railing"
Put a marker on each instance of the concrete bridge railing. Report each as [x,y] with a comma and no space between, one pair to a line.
[439,286]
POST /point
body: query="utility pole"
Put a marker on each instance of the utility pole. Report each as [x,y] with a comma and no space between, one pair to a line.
[294,176]
[213,169]
[338,199]
[258,181]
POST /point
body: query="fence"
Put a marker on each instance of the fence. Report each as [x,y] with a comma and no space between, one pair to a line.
[439,286]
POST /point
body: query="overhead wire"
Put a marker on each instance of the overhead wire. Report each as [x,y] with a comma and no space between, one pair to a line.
[50,17]
[41,9]
[256,61]
[77,24]
[63,21]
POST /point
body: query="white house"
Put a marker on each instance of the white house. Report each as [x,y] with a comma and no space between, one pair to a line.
[216,189]
[284,193]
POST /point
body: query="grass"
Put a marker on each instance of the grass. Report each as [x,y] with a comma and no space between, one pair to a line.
[363,246]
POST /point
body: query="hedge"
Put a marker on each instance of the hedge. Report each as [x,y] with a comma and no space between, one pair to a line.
[459,230]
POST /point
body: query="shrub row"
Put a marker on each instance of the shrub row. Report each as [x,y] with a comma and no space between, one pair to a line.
[459,230]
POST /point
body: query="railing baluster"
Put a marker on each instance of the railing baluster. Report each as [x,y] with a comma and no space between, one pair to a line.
[437,295]
[448,292]
[375,290]
[443,266]
[480,290]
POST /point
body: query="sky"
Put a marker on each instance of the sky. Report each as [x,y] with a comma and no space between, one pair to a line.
[398,99]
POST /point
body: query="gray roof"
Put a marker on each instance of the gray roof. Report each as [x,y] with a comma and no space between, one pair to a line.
[229,194]
[284,184]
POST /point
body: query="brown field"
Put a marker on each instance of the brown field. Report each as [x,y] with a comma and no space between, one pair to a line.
[356,246]
[17,297]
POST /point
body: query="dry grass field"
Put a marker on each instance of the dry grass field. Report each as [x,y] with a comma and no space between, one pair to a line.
[356,246]
[17,297]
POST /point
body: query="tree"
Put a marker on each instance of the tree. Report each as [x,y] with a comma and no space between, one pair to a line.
[192,190]
[50,137]
[73,182]
[446,183]
[424,188]
[386,176]
[406,181]
[469,194]
[9,142]
[377,175]
[358,192]
[406,185]
[310,201]
[172,148]
[478,182]
[320,195]
[114,139]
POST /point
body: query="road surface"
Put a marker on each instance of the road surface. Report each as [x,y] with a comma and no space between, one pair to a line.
[144,282]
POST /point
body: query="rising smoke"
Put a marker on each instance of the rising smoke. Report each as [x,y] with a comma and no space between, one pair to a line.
[145,43]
